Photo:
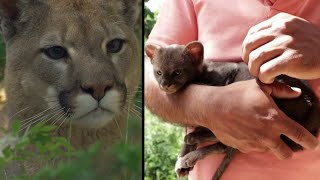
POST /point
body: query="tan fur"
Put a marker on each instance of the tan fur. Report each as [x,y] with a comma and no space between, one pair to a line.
[83,27]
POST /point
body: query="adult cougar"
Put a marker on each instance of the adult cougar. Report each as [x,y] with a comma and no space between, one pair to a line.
[71,61]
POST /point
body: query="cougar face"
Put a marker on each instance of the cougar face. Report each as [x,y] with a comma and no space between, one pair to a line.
[73,60]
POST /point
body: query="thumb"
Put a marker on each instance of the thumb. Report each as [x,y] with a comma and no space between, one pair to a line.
[280,90]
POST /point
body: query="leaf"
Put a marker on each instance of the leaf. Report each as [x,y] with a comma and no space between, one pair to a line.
[15,126]
[23,143]
[7,152]
[48,128]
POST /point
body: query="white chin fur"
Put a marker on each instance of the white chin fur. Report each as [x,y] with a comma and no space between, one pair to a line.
[84,113]
[94,119]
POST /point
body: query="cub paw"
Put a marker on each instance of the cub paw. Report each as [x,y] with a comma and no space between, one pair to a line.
[184,165]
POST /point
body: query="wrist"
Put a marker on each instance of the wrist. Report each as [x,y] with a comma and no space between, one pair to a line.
[205,104]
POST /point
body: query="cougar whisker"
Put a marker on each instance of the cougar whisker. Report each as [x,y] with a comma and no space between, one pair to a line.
[18,113]
[116,121]
[138,107]
[59,113]
[37,115]
[58,119]
[135,111]
[37,121]
[29,123]
[64,119]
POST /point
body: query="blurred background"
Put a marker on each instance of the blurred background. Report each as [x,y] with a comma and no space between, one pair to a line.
[163,141]
[2,65]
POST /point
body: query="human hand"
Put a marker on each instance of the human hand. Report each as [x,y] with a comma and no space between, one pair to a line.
[283,44]
[249,119]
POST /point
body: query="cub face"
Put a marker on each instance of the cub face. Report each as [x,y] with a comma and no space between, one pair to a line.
[175,66]
[72,60]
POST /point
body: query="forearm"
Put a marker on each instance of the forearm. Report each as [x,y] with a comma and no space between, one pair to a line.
[192,106]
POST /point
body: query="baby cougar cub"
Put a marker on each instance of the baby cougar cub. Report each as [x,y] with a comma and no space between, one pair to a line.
[176,66]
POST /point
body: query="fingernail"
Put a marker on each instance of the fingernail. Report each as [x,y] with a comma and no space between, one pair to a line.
[318,147]
[296,89]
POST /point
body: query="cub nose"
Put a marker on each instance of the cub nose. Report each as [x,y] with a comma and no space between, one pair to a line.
[97,91]
[165,85]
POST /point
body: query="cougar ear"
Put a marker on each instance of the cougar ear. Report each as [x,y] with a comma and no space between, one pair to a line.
[8,14]
[150,51]
[131,11]
[8,9]
[194,50]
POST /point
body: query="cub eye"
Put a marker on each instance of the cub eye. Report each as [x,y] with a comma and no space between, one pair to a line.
[56,52]
[159,73]
[177,72]
[115,45]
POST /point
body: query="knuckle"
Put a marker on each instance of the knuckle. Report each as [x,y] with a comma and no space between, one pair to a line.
[254,57]
[279,26]
[243,150]
[264,77]
[251,30]
[288,39]
[244,146]
[257,146]
[275,146]
[260,137]
[280,14]
[251,41]
[286,155]
[265,70]
[262,150]
[299,133]
[247,43]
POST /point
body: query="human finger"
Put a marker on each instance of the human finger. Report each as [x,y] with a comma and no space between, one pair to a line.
[252,42]
[298,133]
[271,69]
[253,146]
[280,90]
[261,26]
[279,149]
[262,55]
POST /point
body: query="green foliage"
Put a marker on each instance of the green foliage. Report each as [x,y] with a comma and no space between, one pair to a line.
[163,142]
[149,21]
[80,168]
[123,159]
[16,147]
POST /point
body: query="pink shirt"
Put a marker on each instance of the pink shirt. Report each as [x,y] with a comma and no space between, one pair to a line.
[221,26]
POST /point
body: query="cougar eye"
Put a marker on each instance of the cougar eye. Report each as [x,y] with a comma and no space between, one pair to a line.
[159,73]
[177,72]
[115,45]
[56,52]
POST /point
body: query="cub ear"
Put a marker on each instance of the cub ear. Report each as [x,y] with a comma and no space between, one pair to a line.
[194,49]
[8,14]
[132,11]
[150,51]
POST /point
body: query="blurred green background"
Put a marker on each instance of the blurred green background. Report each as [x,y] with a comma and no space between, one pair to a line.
[163,141]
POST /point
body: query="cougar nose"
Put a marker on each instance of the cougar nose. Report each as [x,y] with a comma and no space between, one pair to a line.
[97,91]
